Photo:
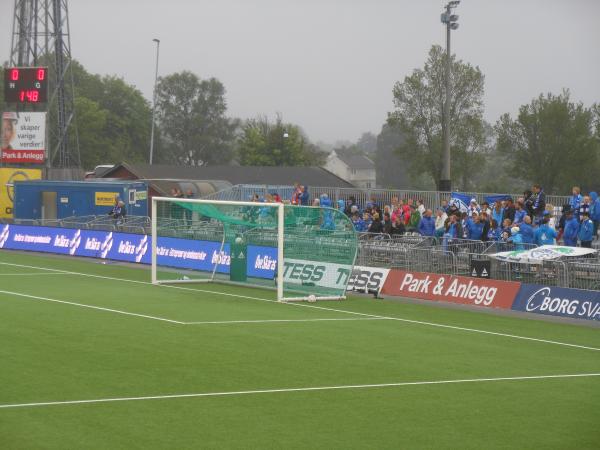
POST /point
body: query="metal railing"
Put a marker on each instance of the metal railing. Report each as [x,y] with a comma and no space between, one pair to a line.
[431,199]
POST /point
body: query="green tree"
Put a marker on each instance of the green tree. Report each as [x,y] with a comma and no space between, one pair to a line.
[113,119]
[263,143]
[191,113]
[419,102]
[551,142]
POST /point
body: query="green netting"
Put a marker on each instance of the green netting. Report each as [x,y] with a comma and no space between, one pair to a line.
[320,244]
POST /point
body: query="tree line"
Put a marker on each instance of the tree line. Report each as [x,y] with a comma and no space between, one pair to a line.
[552,140]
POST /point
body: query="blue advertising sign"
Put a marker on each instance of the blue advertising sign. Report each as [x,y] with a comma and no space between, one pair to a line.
[190,254]
[262,262]
[136,248]
[558,301]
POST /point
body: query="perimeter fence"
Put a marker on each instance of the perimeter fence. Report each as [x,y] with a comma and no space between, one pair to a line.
[431,199]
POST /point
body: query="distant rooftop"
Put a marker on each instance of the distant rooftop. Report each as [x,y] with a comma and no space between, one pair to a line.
[355,161]
[315,176]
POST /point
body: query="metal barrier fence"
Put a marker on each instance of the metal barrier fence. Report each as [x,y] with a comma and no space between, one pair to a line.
[431,199]
[457,259]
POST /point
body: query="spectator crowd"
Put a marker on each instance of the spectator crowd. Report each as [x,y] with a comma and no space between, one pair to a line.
[528,221]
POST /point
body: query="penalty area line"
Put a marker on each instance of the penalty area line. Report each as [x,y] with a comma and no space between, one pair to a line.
[301,389]
[81,305]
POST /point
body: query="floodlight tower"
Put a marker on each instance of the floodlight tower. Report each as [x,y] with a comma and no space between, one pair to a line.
[451,22]
[41,36]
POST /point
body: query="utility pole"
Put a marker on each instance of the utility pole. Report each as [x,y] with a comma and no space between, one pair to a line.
[154,101]
[450,20]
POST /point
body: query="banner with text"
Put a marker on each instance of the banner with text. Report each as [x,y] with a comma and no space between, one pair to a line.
[558,301]
[23,137]
[451,288]
[367,279]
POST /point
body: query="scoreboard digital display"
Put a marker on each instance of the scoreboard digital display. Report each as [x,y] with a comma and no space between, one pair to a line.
[26,84]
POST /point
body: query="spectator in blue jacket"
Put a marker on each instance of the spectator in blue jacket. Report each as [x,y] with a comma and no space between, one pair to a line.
[498,212]
[427,224]
[595,212]
[304,196]
[545,235]
[585,205]
[520,213]
[359,224]
[475,228]
[571,229]
[526,230]
[586,231]
[538,206]
[575,200]
[494,231]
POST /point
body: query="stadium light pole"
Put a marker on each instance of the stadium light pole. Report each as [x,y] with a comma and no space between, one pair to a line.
[450,20]
[154,101]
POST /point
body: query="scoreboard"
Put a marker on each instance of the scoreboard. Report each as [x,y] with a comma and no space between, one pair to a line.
[26,85]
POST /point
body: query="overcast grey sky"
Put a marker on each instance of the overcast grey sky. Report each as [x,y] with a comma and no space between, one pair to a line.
[330,65]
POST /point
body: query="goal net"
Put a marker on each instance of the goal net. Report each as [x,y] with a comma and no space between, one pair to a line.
[302,252]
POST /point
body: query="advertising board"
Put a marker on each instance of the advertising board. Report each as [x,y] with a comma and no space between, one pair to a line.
[136,248]
[558,301]
[367,279]
[23,137]
[451,288]
[8,176]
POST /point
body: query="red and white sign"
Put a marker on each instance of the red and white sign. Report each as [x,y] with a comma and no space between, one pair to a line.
[24,137]
[451,288]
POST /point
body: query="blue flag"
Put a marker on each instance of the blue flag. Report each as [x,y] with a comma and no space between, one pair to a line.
[491,199]
[460,200]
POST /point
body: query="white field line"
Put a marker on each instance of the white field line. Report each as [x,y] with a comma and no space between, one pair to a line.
[163,319]
[301,389]
[226,322]
[226,294]
[29,274]
[116,311]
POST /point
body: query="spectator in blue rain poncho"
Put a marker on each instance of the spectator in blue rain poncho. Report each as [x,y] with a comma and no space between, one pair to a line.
[586,229]
[595,212]
[571,229]
[516,238]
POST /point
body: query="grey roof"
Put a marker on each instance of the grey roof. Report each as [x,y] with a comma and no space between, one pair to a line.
[355,161]
[310,176]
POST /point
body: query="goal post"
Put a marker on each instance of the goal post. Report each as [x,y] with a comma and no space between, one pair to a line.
[303,253]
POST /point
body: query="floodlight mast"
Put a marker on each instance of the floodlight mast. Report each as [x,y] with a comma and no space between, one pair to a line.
[450,20]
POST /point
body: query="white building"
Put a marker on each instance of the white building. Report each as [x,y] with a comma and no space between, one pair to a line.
[357,169]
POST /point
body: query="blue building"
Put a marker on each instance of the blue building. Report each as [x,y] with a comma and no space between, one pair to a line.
[42,199]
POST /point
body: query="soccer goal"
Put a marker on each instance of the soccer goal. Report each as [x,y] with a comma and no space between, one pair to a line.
[305,253]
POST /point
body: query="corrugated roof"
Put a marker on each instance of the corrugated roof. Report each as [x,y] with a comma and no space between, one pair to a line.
[235,174]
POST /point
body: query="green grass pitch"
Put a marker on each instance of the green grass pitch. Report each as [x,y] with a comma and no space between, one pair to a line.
[76,330]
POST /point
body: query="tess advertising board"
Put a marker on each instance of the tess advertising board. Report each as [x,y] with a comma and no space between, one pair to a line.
[367,279]
[451,288]
[557,301]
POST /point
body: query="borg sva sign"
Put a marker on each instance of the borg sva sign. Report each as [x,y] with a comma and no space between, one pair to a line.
[557,301]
